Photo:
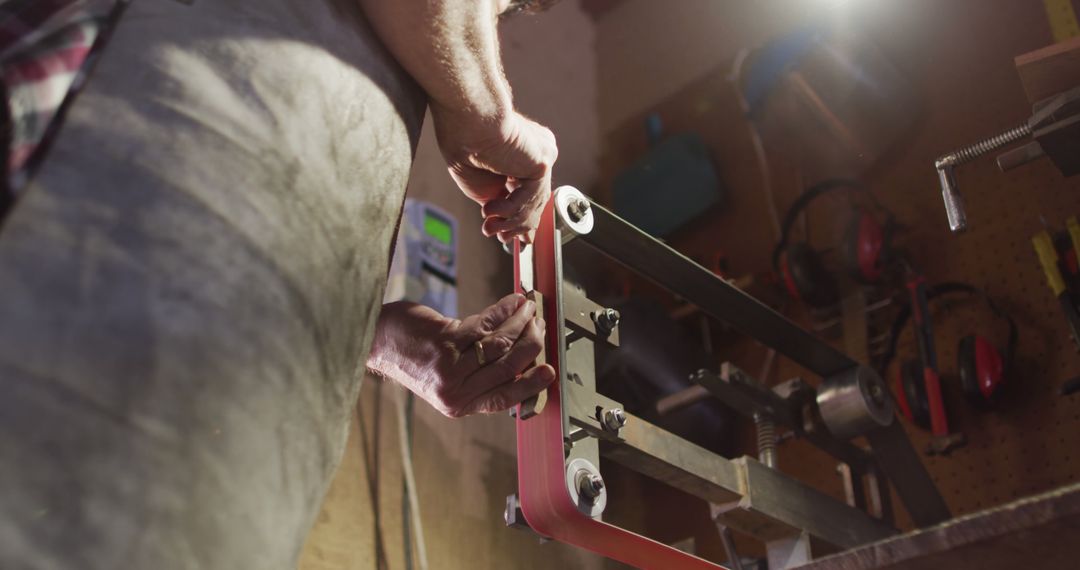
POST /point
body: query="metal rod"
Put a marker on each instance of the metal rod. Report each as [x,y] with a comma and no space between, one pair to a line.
[903,466]
[761,502]
[668,268]
[678,400]
[1020,156]
[734,562]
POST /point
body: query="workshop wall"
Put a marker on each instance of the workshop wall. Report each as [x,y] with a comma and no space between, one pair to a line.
[673,58]
[959,57]
[464,468]
[648,51]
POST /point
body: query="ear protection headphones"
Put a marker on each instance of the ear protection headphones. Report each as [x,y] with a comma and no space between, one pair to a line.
[982,367]
[864,251]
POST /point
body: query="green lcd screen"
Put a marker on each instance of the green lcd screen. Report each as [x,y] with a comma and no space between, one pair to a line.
[437,228]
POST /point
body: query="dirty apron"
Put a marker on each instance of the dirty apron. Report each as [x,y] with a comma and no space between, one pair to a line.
[189,285]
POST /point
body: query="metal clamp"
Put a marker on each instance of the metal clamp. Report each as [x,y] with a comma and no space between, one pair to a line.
[946,165]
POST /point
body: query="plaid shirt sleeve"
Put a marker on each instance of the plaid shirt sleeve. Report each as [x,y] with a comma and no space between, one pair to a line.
[43,45]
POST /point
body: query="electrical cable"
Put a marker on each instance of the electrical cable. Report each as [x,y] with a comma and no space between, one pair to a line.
[735,77]
[403,406]
[406,511]
[801,203]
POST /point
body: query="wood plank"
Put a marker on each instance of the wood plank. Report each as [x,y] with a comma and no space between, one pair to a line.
[1038,532]
[1050,70]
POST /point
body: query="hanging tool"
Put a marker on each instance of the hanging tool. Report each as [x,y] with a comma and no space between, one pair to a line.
[1062,18]
[1070,386]
[1054,128]
[1072,227]
[1048,258]
[943,441]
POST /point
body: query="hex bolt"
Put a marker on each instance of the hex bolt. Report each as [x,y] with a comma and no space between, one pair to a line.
[590,485]
[578,208]
[614,419]
[877,394]
[606,320]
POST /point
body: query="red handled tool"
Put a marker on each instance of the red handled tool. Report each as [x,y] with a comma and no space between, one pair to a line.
[943,441]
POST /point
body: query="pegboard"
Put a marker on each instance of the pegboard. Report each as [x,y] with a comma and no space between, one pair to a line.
[1029,443]
[958,55]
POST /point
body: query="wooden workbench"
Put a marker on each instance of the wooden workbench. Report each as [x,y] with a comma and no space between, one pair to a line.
[1037,532]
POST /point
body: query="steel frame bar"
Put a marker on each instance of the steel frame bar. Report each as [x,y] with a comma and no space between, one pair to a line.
[647,256]
[754,499]
[671,270]
[545,500]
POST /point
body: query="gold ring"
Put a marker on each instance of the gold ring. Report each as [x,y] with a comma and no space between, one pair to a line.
[480,353]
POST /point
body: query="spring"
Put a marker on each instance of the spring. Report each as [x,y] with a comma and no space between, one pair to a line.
[984,146]
[766,440]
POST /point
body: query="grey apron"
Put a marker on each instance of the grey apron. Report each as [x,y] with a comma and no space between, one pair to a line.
[188,288]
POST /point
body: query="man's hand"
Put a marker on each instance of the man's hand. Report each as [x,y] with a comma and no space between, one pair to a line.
[499,158]
[437,358]
[504,165]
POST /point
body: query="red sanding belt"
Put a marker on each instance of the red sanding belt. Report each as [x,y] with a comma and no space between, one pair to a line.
[545,500]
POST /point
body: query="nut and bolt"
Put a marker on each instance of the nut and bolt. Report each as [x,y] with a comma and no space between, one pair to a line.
[590,485]
[578,208]
[877,394]
[613,419]
[606,320]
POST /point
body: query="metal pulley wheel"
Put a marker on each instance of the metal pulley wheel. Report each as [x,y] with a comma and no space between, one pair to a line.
[573,210]
[855,402]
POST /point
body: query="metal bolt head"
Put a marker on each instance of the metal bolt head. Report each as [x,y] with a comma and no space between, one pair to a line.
[586,487]
[578,208]
[614,419]
[590,485]
[606,320]
[877,394]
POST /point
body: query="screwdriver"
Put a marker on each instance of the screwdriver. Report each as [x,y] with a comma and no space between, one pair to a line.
[1048,258]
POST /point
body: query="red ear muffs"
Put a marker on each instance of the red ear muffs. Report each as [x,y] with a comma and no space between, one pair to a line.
[982,369]
[788,278]
[805,276]
[911,393]
[864,248]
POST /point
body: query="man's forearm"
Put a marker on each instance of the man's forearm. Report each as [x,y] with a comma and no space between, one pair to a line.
[499,158]
[451,48]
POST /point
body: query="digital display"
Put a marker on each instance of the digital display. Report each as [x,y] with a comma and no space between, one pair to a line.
[437,228]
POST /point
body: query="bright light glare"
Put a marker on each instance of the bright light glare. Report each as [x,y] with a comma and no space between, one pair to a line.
[832,4]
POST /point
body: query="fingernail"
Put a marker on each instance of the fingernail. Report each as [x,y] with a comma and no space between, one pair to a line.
[540,323]
[530,306]
[548,373]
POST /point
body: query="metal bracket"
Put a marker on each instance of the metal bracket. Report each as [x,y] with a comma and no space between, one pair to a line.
[554,445]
